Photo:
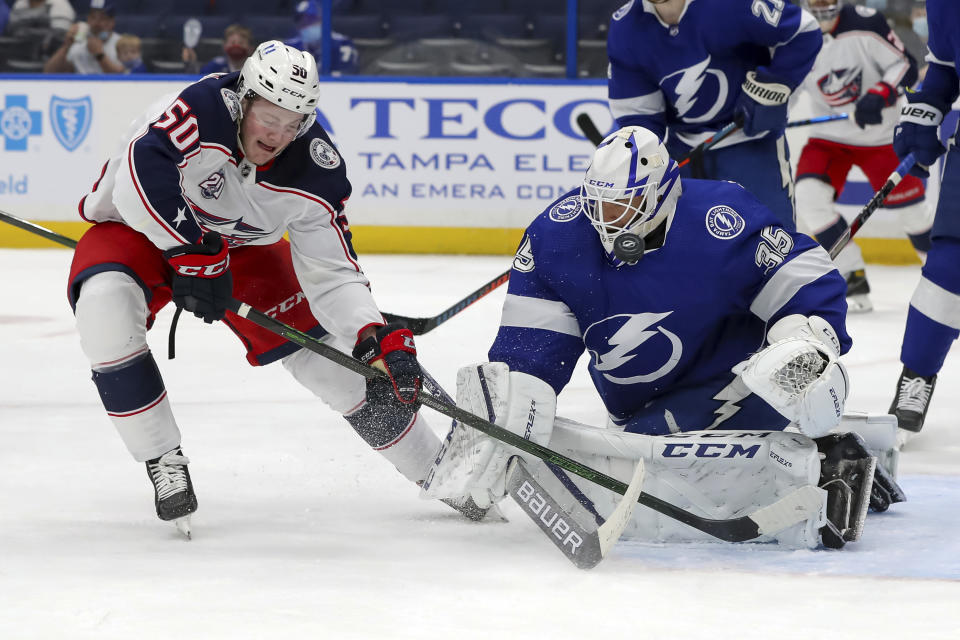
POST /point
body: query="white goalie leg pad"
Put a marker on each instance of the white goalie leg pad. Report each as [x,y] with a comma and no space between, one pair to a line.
[471,463]
[713,474]
[800,374]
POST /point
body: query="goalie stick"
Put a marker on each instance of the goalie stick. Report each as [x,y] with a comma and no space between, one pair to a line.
[787,511]
[572,528]
[418,326]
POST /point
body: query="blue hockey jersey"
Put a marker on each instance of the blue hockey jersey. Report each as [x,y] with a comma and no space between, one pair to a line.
[941,83]
[681,317]
[687,77]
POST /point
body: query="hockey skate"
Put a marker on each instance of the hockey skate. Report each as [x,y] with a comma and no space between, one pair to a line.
[858,292]
[911,401]
[846,474]
[172,488]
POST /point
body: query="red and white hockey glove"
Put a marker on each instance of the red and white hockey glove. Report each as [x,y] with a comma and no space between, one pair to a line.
[392,351]
[201,281]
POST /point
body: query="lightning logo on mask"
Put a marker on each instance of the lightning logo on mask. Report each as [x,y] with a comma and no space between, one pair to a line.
[615,345]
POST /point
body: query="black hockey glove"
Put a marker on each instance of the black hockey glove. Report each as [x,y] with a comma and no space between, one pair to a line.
[202,282]
[869,108]
[392,351]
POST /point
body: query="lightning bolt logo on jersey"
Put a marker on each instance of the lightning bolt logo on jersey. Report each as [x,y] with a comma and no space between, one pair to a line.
[620,345]
[697,93]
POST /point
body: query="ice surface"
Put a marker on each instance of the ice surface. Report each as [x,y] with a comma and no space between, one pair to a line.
[302,531]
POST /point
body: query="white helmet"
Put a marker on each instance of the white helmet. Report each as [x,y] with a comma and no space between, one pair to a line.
[285,76]
[632,171]
[823,10]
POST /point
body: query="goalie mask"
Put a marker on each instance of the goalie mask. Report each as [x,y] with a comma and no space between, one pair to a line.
[823,10]
[630,189]
[285,76]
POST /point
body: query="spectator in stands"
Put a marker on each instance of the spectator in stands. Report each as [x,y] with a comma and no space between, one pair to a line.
[237,47]
[128,52]
[44,14]
[91,46]
[4,15]
[307,17]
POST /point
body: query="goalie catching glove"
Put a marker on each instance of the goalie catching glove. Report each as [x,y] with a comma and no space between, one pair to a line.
[391,349]
[799,373]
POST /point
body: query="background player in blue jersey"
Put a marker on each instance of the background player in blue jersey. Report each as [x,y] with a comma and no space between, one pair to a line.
[344,57]
[194,209]
[699,312]
[686,68]
[933,321]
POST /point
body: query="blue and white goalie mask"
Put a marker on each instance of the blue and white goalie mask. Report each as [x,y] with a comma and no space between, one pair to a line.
[631,186]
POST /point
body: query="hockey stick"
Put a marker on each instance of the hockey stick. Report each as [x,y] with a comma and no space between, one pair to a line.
[573,528]
[776,517]
[418,326]
[26,225]
[902,169]
[590,131]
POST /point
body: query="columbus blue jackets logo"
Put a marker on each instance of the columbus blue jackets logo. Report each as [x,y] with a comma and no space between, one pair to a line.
[724,223]
[70,119]
[841,86]
[212,187]
[234,230]
[633,347]
[698,92]
[323,154]
[565,210]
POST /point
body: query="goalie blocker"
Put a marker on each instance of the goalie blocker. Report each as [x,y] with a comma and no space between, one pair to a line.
[715,474]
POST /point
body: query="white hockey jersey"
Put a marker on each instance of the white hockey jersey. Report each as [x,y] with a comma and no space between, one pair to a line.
[181,173]
[861,51]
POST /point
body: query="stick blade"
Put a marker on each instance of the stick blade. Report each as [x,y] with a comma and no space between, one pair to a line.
[611,530]
[789,510]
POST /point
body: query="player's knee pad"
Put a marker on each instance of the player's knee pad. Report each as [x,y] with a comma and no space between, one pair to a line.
[815,210]
[917,218]
[341,390]
[111,316]
[471,463]
[800,374]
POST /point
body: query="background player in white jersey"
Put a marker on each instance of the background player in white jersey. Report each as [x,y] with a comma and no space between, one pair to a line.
[674,304]
[933,321]
[861,70]
[686,68]
[194,208]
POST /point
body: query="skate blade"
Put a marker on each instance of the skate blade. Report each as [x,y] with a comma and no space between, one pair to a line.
[904,436]
[859,304]
[183,526]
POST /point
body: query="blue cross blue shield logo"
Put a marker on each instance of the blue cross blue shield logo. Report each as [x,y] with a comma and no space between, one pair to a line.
[18,123]
[70,119]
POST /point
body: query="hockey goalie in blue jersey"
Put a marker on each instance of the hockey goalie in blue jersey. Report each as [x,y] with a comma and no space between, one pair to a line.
[699,311]
[686,68]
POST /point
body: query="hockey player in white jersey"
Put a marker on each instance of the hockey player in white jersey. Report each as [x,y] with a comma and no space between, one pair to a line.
[193,208]
[708,326]
[862,70]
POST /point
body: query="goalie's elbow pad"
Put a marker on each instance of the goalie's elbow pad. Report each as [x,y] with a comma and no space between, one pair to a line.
[800,374]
